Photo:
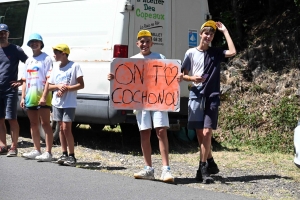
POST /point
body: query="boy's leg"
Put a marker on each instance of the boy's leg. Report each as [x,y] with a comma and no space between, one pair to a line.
[210,123]
[144,123]
[204,139]
[58,117]
[146,146]
[162,136]
[161,123]
[62,138]
[68,117]
[206,144]
[67,132]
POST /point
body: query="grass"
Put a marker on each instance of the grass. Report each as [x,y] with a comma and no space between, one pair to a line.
[248,157]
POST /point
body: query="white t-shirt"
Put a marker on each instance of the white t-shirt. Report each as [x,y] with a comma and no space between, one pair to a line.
[37,70]
[66,75]
[152,55]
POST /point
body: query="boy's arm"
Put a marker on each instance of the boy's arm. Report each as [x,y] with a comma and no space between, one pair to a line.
[231,48]
[79,85]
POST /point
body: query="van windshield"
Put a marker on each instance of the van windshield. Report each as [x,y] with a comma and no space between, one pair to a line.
[14,14]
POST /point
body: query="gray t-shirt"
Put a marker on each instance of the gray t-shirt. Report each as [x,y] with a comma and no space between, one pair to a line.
[10,57]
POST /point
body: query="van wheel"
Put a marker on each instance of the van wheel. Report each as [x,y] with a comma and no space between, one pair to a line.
[55,129]
[97,127]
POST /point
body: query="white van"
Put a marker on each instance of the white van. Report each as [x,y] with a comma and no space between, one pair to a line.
[99,30]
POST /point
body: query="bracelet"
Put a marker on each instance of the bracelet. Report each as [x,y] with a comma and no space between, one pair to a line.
[189,78]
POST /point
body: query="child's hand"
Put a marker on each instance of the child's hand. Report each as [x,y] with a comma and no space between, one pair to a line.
[22,104]
[59,93]
[221,27]
[110,76]
[179,77]
[198,79]
[42,101]
[62,89]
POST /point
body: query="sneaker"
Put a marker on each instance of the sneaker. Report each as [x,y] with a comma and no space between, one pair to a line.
[70,161]
[166,175]
[3,150]
[199,176]
[145,174]
[32,154]
[212,168]
[12,152]
[205,175]
[45,157]
[62,159]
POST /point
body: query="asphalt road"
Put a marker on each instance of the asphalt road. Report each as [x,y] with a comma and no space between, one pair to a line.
[29,179]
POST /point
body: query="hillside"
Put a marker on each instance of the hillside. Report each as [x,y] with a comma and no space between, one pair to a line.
[260,85]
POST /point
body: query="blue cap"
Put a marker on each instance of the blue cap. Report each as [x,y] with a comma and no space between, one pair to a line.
[4,27]
[35,36]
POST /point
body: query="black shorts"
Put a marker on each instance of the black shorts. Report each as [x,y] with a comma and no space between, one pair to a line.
[38,107]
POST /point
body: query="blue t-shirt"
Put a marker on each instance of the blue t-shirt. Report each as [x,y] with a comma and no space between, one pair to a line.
[204,62]
[10,57]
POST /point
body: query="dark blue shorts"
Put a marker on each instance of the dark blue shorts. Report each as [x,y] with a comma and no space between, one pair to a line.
[203,113]
[9,103]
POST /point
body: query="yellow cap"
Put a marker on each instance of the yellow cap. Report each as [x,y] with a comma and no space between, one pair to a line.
[209,23]
[62,47]
[144,33]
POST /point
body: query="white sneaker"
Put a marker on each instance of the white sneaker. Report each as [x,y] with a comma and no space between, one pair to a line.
[32,154]
[45,157]
[166,175]
[145,174]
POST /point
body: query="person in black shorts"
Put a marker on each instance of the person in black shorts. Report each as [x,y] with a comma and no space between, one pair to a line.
[35,99]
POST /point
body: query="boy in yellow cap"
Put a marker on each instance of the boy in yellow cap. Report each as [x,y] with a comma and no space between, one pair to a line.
[65,79]
[203,64]
[159,118]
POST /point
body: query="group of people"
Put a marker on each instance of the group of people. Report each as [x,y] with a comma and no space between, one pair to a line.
[45,88]
[201,66]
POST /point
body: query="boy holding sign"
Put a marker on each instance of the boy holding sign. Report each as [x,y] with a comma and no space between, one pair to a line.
[145,117]
[204,64]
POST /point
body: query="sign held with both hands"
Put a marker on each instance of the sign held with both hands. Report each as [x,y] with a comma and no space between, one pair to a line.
[145,84]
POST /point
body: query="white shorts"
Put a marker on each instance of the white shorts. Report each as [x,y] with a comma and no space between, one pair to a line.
[159,118]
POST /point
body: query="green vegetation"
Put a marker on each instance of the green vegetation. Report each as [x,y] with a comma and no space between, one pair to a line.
[268,129]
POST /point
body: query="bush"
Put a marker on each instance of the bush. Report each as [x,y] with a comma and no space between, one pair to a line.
[242,124]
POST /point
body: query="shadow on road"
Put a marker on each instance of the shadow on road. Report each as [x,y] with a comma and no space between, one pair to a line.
[111,140]
[229,180]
